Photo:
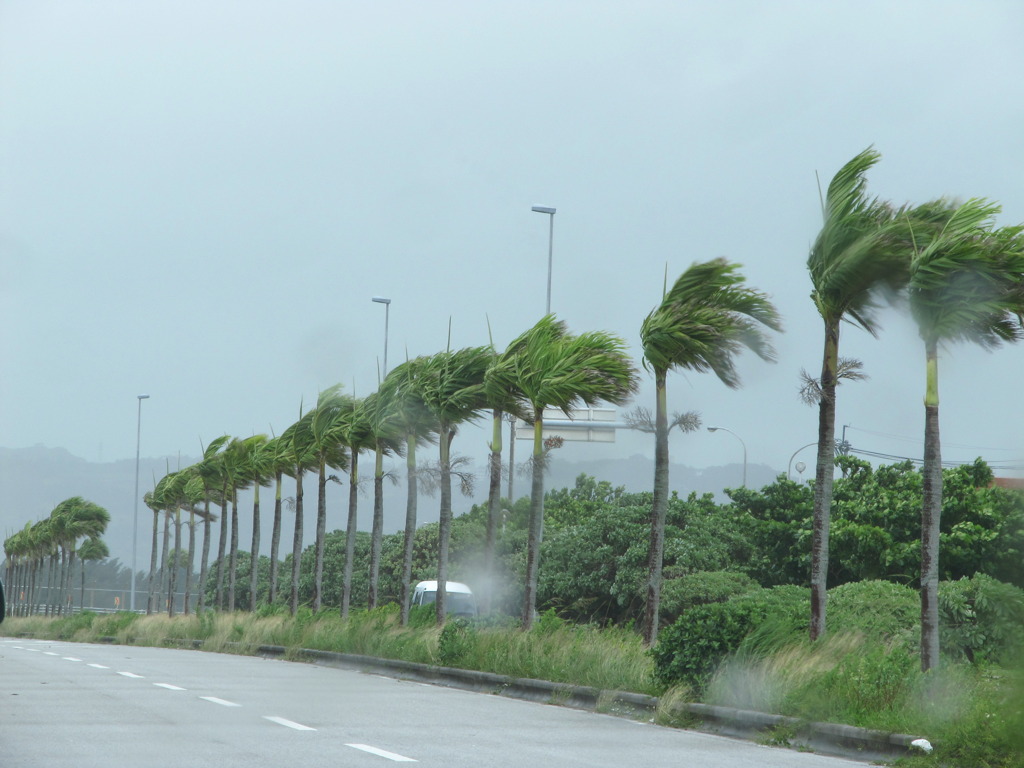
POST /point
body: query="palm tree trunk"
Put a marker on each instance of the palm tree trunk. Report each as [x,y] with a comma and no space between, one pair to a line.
[233,557]
[293,603]
[65,591]
[165,562]
[191,561]
[659,507]
[536,521]
[350,534]
[823,476]
[275,538]
[81,598]
[444,532]
[377,530]
[410,525]
[172,585]
[204,565]
[151,599]
[931,510]
[254,551]
[51,587]
[222,545]
[493,511]
[321,532]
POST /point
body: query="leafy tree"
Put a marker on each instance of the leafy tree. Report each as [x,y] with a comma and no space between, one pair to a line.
[357,434]
[706,318]
[965,285]
[452,390]
[386,439]
[209,469]
[298,448]
[853,258]
[418,426]
[261,468]
[327,437]
[552,367]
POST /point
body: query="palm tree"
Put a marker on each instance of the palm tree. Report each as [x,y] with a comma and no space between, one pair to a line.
[501,401]
[357,434]
[195,492]
[380,415]
[262,459]
[93,549]
[418,426]
[158,500]
[301,458]
[852,260]
[326,436]
[551,367]
[239,475]
[452,390]
[966,284]
[701,324]
[280,463]
[209,468]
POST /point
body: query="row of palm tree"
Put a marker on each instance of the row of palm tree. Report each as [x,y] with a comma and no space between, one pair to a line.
[962,278]
[422,402]
[47,550]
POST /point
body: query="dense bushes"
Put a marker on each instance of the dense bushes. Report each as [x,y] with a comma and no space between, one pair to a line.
[690,650]
[981,619]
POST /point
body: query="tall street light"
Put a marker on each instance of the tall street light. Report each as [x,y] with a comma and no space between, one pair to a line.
[387,312]
[715,429]
[135,523]
[551,243]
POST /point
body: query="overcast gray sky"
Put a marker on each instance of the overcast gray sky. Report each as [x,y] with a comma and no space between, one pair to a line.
[199,199]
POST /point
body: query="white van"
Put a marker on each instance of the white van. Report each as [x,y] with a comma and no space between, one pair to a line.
[459,600]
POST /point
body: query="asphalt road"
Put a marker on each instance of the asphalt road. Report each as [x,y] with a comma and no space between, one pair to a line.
[70,705]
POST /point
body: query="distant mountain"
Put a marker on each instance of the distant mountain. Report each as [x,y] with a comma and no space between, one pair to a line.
[637,474]
[34,480]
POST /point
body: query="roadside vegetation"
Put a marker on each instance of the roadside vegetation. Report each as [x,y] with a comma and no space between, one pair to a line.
[735,606]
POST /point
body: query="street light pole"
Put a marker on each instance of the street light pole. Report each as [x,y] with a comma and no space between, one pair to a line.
[715,429]
[387,313]
[135,522]
[551,244]
[789,469]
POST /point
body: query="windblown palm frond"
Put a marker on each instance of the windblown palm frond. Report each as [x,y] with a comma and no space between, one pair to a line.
[965,278]
[706,319]
[858,254]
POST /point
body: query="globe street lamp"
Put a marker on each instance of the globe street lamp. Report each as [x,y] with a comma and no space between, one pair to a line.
[135,523]
[789,469]
[715,429]
[551,241]
[387,312]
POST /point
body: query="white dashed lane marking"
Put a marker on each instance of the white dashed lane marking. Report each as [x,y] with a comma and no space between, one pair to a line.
[168,686]
[97,666]
[383,753]
[288,723]
[222,702]
[131,675]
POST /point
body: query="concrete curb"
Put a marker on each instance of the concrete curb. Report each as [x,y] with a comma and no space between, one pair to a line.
[823,738]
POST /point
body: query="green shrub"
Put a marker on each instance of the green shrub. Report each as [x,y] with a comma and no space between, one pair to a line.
[684,592]
[456,642]
[980,619]
[881,610]
[69,626]
[689,651]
